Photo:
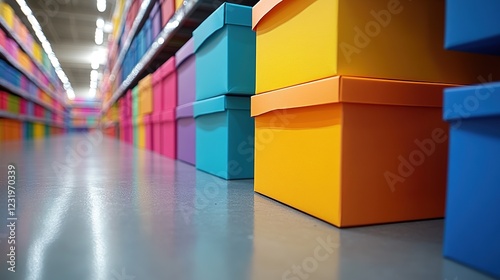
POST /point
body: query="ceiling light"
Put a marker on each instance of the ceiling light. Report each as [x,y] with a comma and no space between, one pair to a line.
[99,36]
[95,64]
[94,75]
[99,23]
[46,46]
[101,5]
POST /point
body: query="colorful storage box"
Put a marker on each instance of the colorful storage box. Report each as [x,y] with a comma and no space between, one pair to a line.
[38,131]
[473,26]
[148,130]
[7,14]
[12,130]
[146,95]
[13,103]
[178,4]
[186,73]
[223,125]
[156,25]
[186,134]
[352,151]
[167,11]
[135,102]
[168,134]
[3,100]
[27,130]
[168,77]
[155,119]
[303,41]
[37,52]
[472,225]
[225,53]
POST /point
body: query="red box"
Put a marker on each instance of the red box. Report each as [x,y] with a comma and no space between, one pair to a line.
[3,100]
[167,10]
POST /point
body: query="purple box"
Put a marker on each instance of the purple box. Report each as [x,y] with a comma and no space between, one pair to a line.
[155,17]
[186,134]
[186,73]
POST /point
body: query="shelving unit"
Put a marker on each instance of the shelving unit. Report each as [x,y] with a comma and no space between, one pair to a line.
[173,35]
[23,47]
[39,75]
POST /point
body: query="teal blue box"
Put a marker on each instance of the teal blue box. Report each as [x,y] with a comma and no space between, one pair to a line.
[225,53]
[223,127]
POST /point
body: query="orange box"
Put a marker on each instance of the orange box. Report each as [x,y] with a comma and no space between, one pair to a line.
[146,95]
[12,130]
[353,151]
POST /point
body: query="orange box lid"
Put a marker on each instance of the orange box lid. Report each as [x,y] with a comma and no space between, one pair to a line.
[347,89]
[260,10]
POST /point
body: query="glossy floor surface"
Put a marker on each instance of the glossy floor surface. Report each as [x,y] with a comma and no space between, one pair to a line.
[93,208]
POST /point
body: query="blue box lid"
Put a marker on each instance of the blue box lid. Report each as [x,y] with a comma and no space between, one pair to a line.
[221,104]
[227,13]
[469,102]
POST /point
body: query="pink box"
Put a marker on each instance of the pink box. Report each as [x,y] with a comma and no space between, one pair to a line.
[186,74]
[25,83]
[128,103]
[169,85]
[12,48]
[3,38]
[128,132]
[168,134]
[149,132]
[23,106]
[156,133]
[167,10]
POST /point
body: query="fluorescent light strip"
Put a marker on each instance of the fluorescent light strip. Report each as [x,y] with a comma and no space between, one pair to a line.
[47,48]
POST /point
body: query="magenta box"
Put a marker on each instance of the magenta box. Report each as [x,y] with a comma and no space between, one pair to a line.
[158,76]
[128,132]
[11,47]
[128,103]
[186,134]
[3,38]
[168,134]
[156,133]
[3,100]
[23,106]
[186,70]
[169,85]
[25,83]
[149,132]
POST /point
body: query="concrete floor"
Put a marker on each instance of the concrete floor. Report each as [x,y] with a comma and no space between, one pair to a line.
[92,208]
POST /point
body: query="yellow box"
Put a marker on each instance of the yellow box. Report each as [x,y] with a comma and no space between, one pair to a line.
[146,95]
[38,131]
[178,4]
[37,52]
[334,148]
[141,133]
[307,40]
[8,14]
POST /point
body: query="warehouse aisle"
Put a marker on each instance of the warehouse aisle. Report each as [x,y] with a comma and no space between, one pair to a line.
[95,208]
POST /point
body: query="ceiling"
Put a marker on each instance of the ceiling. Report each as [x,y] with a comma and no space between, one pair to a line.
[70,26]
